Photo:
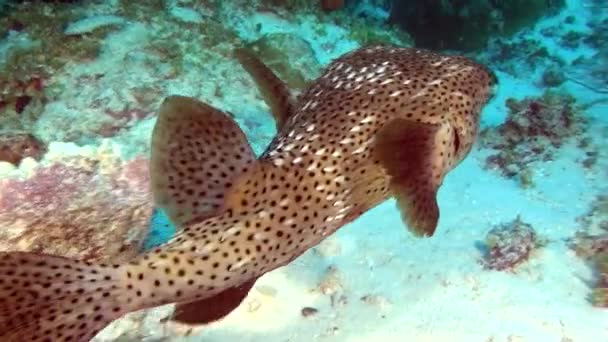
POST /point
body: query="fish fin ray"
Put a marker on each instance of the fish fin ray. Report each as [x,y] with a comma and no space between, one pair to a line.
[46,297]
[212,309]
[274,91]
[197,152]
[415,156]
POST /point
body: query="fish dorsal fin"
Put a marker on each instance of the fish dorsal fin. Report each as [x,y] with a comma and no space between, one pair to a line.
[197,152]
[415,156]
[275,92]
[211,309]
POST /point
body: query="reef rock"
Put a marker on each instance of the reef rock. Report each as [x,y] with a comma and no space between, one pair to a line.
[14,147]
[90,208]
[21,102]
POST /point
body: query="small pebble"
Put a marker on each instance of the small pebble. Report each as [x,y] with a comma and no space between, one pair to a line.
[330,283]
[267,290]
[253,306]
[308,311]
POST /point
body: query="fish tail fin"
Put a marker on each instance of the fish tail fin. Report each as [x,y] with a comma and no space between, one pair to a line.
[51,298]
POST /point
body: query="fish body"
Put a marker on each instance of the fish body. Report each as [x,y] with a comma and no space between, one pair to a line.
[380,122]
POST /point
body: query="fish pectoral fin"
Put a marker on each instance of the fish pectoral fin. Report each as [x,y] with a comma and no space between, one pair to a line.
[214,308]
[274,91]
[197,152]
[415,156]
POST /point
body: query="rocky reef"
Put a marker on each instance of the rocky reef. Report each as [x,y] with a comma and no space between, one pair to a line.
[467,25]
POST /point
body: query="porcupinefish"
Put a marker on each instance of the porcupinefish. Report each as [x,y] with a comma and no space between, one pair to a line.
[379,122]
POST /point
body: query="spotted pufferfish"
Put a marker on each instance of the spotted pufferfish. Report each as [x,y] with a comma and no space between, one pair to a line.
[379,122]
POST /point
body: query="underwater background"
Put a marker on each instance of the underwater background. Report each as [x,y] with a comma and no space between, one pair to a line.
[521,250]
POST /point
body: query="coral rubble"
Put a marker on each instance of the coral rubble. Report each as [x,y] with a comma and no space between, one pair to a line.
[14,147]
[535,128]
[509,244]
[591,243]
[22,100]
[599,296]
[92,208]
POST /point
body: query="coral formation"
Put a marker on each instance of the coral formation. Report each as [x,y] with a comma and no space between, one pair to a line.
[591,244]
[468,24]
[92,208]
[14,147]
[535,128]
[509,244]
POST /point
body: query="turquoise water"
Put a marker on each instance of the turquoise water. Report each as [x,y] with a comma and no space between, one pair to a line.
[517,255]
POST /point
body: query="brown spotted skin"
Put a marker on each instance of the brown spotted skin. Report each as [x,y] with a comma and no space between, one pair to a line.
[320,172]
